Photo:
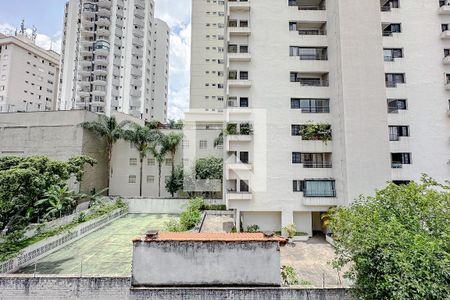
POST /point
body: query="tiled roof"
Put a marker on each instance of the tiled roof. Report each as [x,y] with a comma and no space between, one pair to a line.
[212,237]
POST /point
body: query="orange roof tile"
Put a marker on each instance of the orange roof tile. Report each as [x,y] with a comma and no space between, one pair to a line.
[212,237]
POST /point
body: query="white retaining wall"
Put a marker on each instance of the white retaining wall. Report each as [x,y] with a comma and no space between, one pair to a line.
[161,205]
[45,247]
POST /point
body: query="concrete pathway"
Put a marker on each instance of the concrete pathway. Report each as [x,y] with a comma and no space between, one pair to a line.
[215,223]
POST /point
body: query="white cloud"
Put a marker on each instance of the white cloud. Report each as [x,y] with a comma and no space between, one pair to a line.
[177,13]
[42,40]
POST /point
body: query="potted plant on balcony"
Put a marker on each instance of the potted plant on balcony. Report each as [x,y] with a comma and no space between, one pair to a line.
[246,129]
[316,131]
[230,129]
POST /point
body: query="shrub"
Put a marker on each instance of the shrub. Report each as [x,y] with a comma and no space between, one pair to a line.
[252,228]
[188,218]
[289,275]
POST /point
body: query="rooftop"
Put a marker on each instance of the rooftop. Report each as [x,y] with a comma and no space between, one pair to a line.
[209,237]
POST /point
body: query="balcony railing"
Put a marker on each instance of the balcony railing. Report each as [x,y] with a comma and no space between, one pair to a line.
[316,109]
[317,164]
[391,84]
[306,82]
[394,137]
[324,193]
[396,165]
[312,32]
[313,57]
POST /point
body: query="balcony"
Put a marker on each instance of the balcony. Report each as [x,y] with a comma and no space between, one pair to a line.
[103,31]
[135,93]
[239,5]
[239,196]
[138,32]
[103,12]
[239,31]
[139,13]
[239,57]
[445,35]
[104,3]
[444,9]
[239,83]
[103,22]
[136,71]
[310,79]
[139,22]
[308,4]
[140,3]
[319,188]
[319,201]
[139,42]
[99,93]
[446,60]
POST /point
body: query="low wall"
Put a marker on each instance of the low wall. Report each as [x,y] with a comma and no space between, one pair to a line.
[161,205]
[45,247]
[118,288]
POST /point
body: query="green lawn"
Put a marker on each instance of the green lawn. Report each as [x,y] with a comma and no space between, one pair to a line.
[106,251]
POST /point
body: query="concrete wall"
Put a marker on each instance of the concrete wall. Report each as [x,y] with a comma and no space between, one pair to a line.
[161,206]
[118,288]
[56,135]
[158,263]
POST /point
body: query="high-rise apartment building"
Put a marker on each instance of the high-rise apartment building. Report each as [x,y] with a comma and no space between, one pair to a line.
[208,54]
[160,84]
[107,57]
[328,100]
[28,74]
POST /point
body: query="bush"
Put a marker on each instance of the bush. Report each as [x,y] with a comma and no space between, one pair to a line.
[252,228]
[289,275]
[214,207]
[188,218]
[290,230]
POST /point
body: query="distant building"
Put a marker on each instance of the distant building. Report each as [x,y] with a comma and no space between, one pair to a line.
[160,84]
[208,259]
[28,74]
[108,59]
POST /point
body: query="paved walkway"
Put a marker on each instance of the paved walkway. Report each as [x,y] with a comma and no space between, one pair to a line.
[312,262]
[215,223]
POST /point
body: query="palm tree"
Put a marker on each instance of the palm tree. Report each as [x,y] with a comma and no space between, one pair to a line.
[159,153]
[57,200]
[143,138]
[171,142]
[110,130]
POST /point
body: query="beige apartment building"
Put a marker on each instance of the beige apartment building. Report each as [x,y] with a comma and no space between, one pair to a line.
[356,68]
[108,59]
[28,74]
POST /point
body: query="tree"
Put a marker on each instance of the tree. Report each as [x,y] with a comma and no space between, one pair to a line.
[397,242]
[172,124]
[210,170]
[58,200]
[110,130]
[171,142]
[143,138]
[159,153]
[26,180]
[218,141]
[175,182]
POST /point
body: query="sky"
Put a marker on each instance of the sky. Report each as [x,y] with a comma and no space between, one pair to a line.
[47,16]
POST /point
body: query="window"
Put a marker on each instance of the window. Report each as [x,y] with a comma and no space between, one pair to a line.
[319,188]
[168,162]
[311,105]
[296,158]
[297,186]
[150,179]
[243,75]
[203,144]
[243,185]
[243,102]
[296,130]
[133,161]
[185,144]
[392,79]
[394,105]
[390,54]
[395,132]
[150,161]
[132,179]
[400,159]
[243,157]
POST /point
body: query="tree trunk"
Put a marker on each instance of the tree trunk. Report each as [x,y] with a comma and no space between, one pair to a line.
[173,170]
[159,179]
[140,177]
[109,168]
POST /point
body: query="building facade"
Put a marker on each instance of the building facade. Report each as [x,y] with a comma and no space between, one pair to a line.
[207,54]
[328,100]
[108,57]
[28,74]
[160,83]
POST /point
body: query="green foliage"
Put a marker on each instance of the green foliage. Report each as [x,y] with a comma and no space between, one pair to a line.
[291,230]
[218,141]
[175,182]
[188,218]
[397,243]
[26,180]
[58,200]
[289,275]
[172,124]
[209,168]
[252,228]
[214,207]
[316,131]
[244,129]
[230,129]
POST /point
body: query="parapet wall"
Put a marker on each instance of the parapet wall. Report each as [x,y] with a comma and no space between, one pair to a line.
[118,288]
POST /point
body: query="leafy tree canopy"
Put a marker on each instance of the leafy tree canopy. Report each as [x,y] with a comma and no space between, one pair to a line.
[209,168]
[397,243]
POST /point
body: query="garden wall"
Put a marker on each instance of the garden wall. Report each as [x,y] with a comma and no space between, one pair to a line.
[45,247]
[118,288]
[161,205]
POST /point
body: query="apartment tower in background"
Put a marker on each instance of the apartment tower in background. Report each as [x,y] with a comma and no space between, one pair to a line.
[160,88]
[207,54]
[28,74]
[348,71]
[108,57]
